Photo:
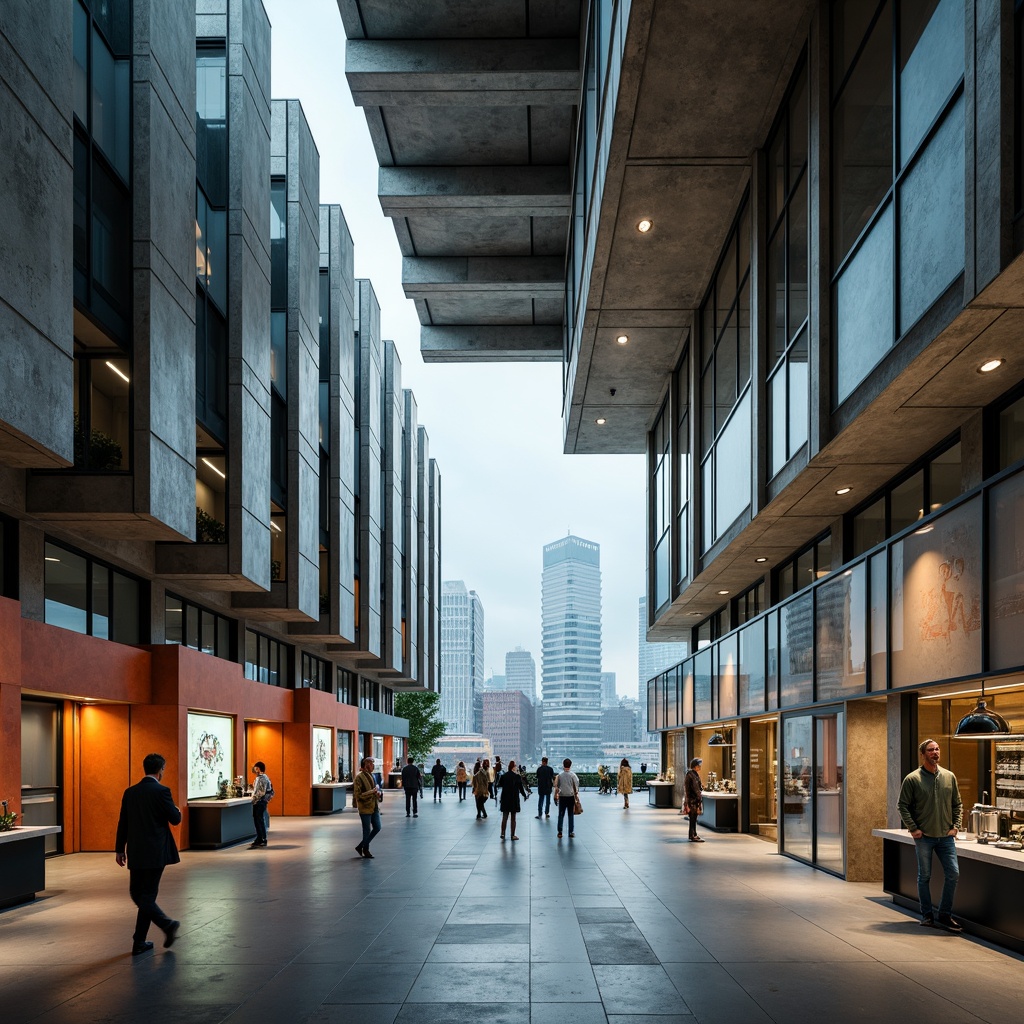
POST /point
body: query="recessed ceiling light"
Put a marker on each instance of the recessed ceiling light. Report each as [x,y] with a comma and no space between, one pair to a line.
[645,225]
[844,490]
[214,468]
[761,559]
[990,365]
[623,339]
[600,421]
[722,593]
[274,526]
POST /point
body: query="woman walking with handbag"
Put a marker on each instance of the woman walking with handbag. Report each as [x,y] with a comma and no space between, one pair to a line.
[567,793]
[482,788]
[625,782]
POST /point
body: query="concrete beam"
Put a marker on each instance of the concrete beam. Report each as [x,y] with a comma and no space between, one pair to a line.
[494,191]
[463,72]
[501,344]
[424,276]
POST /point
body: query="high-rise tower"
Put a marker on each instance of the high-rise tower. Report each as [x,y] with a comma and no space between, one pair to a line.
[521,672]
[571,648]
[462,655]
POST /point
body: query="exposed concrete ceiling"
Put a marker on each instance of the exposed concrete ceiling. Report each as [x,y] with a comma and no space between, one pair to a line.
[472,108]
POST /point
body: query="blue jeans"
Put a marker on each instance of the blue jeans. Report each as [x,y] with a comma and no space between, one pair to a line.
[566,805]
[371,826]
[945,848]
[543,802]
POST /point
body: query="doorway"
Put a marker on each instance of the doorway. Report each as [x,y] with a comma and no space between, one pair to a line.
[42,769]
[764,772]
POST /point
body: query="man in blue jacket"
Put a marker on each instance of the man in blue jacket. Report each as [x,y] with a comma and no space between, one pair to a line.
[144,842]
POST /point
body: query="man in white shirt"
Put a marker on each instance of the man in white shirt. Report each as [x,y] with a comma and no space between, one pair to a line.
[567,785]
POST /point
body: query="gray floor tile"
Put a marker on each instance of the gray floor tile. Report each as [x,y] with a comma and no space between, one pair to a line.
[487,933]
[367,982]
[479,952]
[464,1013]
[599,915]
[638,988]
[349,1013]
[711,993]
[617,943]
[562,983]
[644,1018]
[475,983]
[567,1013]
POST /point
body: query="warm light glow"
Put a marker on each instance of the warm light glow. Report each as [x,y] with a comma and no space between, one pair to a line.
[623,339]
[274,526]
[992,364]
[644,226]
[120,373]
[50,558]
[722,593]
[925,529]
[844,490]
[214,468]
[761,559]
[600,421]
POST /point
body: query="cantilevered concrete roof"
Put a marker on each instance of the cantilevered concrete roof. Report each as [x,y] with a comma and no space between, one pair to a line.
[471,108]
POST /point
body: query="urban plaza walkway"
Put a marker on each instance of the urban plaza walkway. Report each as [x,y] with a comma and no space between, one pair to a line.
[627,923]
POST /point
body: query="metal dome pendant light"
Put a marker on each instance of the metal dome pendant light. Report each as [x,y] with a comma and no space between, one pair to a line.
[981,723]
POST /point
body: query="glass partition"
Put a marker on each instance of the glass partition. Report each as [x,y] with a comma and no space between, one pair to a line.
[1006,573]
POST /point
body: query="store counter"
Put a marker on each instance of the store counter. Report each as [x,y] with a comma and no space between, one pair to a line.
[23,862]
[214,823]
[660,794]
[988,897]
[721,811]
[329,797]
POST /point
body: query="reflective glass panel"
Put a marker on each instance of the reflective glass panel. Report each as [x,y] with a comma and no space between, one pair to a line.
[65,589]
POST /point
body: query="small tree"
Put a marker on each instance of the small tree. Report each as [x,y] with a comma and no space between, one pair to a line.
[425,728]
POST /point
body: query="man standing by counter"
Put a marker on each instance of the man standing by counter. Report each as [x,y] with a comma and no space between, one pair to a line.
[932,811]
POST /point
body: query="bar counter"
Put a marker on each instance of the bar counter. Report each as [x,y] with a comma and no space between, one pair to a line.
[988,897]
[214,823]
[23,862]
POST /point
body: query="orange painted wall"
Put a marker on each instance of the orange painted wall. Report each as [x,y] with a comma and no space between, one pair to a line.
[265,742]
[103,773]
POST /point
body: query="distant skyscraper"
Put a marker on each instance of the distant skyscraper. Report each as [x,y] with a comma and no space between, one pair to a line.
[494,684]
[653,658]
[509,725]
[462,655]
[521,672]
[609,698]
[571,650]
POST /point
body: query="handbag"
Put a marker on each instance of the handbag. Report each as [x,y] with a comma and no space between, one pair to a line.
[578,809]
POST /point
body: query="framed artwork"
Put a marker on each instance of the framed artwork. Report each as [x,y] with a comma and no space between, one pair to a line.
[210,752]
[323,755]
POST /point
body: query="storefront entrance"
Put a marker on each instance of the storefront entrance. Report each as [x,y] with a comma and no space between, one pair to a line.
[813,813]
[764,771]
[41,768]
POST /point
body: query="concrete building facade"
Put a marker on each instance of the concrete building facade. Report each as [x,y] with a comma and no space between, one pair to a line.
[793,280]
[189,560]
[521,672]
[508,723]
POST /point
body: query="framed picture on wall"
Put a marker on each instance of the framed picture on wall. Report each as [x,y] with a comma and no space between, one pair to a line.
[210,752]
[323,754]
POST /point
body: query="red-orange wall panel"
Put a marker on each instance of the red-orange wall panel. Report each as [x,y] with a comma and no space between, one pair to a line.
[104,774]
[298,768]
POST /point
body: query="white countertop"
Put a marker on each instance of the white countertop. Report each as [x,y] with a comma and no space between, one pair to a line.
[660,782]
[966,847]
[28,832]
[212,801]
[332,785]
[717,794]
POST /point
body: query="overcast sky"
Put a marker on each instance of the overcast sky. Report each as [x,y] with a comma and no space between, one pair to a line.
[495,428]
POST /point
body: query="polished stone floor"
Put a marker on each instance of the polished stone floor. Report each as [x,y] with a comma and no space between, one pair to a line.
[625,924]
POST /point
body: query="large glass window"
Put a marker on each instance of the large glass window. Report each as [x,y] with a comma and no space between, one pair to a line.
[1011,434]
[788,380]
[1006,573]
[725,386]
[316,673]
[809,564]
[684,466]
[267,660]
[102,162]
[191,625]
[660,495]
[898,171]
[90,597]
[102,409]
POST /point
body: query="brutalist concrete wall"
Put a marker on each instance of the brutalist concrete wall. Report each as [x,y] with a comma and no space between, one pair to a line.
[411,535]
[393,413]
[245,29]
[163,196]
[423,573]
[36,192]
[294,154]
[371,511]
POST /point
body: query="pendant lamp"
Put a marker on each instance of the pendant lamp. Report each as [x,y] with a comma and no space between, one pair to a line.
[718,740]
[982,724]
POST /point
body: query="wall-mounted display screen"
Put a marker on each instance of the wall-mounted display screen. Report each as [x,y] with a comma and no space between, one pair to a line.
[210,752]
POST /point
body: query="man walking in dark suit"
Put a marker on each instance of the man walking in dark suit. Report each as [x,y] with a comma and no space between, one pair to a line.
[412,783]
[145,843]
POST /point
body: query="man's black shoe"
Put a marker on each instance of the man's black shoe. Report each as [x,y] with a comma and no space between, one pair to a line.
[947,922]
[256,845]
[171,933]
[360,850]
[141,947]
[367,855]
[928,921]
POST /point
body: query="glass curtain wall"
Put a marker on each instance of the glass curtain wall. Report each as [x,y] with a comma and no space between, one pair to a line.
[660,492]
[683,468]
[898,172]
[725,386]
[787,379]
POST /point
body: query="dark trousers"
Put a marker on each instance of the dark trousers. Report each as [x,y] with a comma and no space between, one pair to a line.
[566,805]
[371,826]
[438,786]
[481,806]
[412,801]
[143,887]
[259,811]
[462,790]
[543,802]
[693,823]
